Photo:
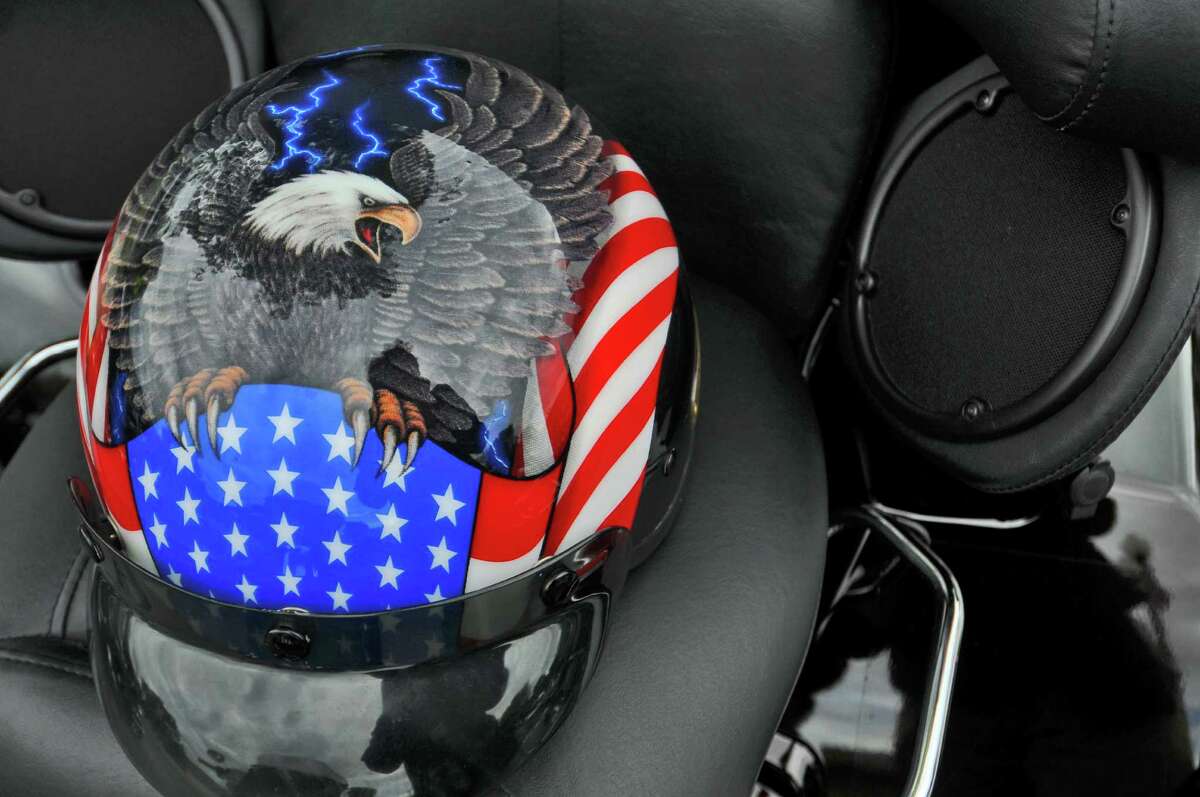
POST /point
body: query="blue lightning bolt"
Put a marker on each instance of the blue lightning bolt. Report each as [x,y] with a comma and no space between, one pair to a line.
[431,78]
[489,436]
[295,126]
[375,148]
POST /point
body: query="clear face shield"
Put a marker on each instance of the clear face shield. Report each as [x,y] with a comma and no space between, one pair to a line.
[208,697]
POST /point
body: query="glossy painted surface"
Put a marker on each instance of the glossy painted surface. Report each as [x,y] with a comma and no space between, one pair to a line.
[382,327]
[1080,672]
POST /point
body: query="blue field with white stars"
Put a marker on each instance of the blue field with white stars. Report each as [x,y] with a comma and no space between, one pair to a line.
[281,518]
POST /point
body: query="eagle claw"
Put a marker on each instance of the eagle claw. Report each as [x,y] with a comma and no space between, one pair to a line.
[396,419]
[216,388]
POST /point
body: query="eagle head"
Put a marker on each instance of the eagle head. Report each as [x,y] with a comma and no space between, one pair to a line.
[326,211]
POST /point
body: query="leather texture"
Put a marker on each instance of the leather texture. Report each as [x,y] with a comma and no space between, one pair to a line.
[1118,70]
[705,645]
[100,88]
[752,120]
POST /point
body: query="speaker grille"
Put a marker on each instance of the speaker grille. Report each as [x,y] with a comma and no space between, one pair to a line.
[994,258]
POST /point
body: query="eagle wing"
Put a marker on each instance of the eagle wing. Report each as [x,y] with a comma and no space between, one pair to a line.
[184,204]
[507,192]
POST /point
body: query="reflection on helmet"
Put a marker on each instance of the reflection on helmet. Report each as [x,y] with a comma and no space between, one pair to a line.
[380,329]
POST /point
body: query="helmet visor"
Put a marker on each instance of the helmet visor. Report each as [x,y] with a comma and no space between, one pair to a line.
[212,698]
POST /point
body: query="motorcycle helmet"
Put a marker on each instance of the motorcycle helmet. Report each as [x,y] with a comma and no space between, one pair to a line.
[386,377]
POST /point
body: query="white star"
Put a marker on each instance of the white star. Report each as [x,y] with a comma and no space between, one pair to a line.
[388,573]
[247,589]
[391,523]
[237,541]
[183,458]
[198,556]
[159,530]
[338,496]
[436,595]
[337,548]
[285,425]
[188,505]
[231,435]
[148,478]
[340,443]
[441,555]
[396,474]
[283,478]
[175,578]
[448,505]
[340,598]
[232,489]
[290,583]
[283,531]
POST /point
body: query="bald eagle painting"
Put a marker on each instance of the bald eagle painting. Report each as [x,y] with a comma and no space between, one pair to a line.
[329,225]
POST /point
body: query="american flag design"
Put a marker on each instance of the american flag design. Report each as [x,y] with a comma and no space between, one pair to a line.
[278,517]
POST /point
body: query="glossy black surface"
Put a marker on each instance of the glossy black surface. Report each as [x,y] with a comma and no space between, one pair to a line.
[1080,667]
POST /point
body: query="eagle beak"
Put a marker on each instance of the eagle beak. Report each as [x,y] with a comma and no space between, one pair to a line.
[402,217]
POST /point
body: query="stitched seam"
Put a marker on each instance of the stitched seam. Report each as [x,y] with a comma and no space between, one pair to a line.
[1108,40]
[1086,72]
[35,661]
[1136,404]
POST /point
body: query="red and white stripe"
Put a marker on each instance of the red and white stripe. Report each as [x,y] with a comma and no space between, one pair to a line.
[108,464]
[627,297]
[613,356]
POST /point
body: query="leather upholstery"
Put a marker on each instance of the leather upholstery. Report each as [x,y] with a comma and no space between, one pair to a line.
[705,645]
[1119,70]
[752,120]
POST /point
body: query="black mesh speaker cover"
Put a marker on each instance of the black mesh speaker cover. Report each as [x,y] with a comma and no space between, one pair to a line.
[997,274]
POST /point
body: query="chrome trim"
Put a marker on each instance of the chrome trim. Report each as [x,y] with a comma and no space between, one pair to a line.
[30,365]
[907,537]
[950,520]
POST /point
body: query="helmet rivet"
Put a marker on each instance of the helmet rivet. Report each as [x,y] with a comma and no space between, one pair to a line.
[288,643]
[27,197]
[1121,214]
[558,587]
[985,100]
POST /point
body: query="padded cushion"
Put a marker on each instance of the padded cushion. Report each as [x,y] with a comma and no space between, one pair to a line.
[704,649]
[1118,70]
[752,119]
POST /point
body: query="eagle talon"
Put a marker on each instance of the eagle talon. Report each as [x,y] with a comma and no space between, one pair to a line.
[211,388]
[396,420]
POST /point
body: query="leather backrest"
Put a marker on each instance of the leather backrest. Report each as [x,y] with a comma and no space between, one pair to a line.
[752,119]
[1119,70]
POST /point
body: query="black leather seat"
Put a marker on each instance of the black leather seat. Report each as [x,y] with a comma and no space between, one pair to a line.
[753,123]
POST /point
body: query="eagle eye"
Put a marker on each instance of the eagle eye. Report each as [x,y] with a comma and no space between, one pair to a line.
[368,202]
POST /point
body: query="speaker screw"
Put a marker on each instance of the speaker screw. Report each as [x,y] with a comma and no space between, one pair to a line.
[973,409]
[1121,214]
[865,283]
[985,101]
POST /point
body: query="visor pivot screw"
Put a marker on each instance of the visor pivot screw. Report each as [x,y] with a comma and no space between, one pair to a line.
[973,409]
[287,643]
[865,282]
[558,587]
[985,101]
